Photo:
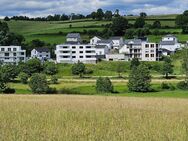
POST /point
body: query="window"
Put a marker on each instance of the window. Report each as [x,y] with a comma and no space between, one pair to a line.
[14,54]
[152,51]
[152,55]
[46,55]
[73,56]
[90,51]
[2,49]
[147,45]
[65,46]
[6,54]
[88,46]
[152,45]
[147,55]
[14,49]
[6,58]
[81,52]
[81,47]
[81,56]
[65,57]
[73,51]
[9,49]
[73,47]
[22,53]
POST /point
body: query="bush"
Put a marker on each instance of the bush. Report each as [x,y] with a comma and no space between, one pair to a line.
[183,85]
[104,85]
[23,77]
[68,91]
[38,83]
[9,91]
[165,86]
[54,79]
[51,91]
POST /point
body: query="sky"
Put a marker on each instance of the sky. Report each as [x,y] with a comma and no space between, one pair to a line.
[36,8]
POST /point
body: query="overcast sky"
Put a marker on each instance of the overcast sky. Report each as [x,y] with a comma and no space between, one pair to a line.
[34,8]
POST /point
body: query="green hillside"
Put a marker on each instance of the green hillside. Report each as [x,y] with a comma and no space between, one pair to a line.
[55,32]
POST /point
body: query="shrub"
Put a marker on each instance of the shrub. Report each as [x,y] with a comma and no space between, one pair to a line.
[54,79]
[104,85]
[51,91]
[183,85]
[165,86]
[23,77]
[38,83]
[9,91]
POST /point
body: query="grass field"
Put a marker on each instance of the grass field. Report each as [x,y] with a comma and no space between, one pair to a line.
[49,31]
[73,118]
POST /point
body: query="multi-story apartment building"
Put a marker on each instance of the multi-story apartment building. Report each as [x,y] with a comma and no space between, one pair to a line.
[132,49]
[143,50]
[12,54]
[42,54]
[72,53]
[150,52]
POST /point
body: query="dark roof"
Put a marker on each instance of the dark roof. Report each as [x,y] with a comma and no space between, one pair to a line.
[167,43]
[42,49]
[133,41]
[170,35]
[100,46]
[73,35]
[104,41]
[143,38]
[115,38]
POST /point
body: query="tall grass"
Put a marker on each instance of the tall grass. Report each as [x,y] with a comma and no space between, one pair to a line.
[74,118]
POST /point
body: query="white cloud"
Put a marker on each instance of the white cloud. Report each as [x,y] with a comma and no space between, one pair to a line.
[46,7]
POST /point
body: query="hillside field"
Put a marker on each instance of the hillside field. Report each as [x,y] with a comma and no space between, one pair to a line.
[72,118]
[50,32]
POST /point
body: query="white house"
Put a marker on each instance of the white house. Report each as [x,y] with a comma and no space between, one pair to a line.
[73,37]
[72,53]
[101,51]
[42,54]
[169,45]
[117,42]
[94,40]
[12,54]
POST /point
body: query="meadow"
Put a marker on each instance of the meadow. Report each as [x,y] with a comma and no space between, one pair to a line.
[50,32]
[72,118]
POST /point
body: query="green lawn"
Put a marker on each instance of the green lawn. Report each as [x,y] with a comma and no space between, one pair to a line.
[49,31]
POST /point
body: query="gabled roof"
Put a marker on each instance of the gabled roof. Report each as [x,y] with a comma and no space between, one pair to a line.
[167,43]
[42,49]
[98,37]
[116,38]
[133,41]
[104,41]
[73,35]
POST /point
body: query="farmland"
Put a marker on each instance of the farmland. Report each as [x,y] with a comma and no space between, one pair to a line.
[51,32]
[69,118]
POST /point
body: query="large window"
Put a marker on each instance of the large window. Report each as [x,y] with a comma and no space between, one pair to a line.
[152,55]
[6,54]
[14,49]
[2,49]
[147,55]
[9,49]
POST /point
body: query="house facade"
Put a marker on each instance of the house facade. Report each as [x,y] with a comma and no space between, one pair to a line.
[72,53]
[169,45]
[42,54]
[12,54]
